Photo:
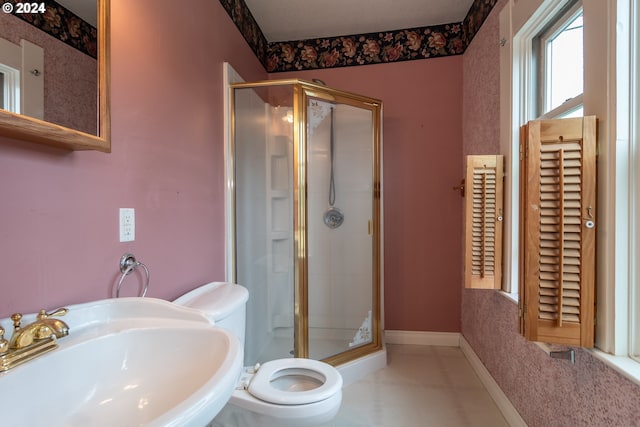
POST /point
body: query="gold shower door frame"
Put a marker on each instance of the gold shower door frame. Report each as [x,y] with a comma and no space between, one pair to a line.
[302,91]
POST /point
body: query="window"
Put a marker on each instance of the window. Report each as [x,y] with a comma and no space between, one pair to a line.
[22,93]
[611,92]
[557,191]
[524,31]
[559,52]
[9,88]
[10,64]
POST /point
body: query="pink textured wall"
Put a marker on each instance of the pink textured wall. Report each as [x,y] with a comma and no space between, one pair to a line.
[59,210]
[422,102]
[546,392]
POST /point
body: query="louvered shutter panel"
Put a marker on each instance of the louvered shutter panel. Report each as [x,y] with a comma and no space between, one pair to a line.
[559,205]
[483,222]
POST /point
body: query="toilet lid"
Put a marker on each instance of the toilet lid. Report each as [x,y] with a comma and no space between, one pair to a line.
[295,381]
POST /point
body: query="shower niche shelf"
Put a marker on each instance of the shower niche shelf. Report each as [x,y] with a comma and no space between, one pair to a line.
[279,225]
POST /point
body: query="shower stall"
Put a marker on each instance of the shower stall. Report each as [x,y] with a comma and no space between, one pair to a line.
[305,163]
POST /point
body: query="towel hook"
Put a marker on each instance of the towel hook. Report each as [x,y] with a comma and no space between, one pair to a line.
[128,264]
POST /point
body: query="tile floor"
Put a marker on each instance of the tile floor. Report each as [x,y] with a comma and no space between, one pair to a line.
[422,386]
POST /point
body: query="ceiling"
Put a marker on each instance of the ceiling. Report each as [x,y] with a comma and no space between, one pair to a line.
[286,20]
[83,8]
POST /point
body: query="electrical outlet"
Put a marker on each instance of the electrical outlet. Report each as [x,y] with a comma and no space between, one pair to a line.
[127,224]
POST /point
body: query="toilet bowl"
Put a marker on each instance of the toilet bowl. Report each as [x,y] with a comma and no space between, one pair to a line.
[291,392]
[284,393]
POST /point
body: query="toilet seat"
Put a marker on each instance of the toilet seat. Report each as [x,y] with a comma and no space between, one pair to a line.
[295,382]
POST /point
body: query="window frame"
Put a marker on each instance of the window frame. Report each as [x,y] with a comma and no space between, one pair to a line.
[632,85]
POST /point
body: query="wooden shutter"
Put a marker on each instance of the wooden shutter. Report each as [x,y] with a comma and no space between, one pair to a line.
[558,201]
[483,222]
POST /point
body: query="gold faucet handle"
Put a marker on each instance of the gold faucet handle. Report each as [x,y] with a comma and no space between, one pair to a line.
[58,312]
[4,344]
[16,320]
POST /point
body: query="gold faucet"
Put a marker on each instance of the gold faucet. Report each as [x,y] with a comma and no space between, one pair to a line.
[32,340]
[45,326]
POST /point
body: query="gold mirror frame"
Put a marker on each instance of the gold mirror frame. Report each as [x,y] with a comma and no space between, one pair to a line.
[26,128]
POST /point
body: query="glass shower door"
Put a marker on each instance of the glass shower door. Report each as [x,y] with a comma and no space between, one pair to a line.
[340,215]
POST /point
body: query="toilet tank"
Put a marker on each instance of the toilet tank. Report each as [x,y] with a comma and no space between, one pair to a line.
[223,303]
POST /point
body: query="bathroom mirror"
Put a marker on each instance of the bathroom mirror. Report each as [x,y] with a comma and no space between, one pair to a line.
[96,135]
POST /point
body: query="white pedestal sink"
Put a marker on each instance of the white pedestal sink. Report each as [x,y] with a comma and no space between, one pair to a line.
[126,362]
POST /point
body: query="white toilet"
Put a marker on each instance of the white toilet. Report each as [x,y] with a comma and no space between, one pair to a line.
[279,393]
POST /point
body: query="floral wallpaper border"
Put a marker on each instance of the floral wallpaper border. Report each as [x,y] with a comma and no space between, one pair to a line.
[359,49]
[64,25]
[364,49]
[246,23]
[476,16]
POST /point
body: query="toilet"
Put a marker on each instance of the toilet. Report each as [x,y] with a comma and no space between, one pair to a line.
[290,392]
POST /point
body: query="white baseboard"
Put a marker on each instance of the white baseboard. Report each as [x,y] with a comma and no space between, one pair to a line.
[448,339]
[501,400]
[455,339]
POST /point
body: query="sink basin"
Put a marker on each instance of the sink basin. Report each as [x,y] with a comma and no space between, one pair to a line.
[126,362]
